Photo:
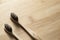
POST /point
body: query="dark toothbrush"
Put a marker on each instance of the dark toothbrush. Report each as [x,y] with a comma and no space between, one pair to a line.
[33,35]
[8,29]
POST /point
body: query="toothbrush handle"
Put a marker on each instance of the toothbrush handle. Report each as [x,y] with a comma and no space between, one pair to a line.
[30,32]
[14,37]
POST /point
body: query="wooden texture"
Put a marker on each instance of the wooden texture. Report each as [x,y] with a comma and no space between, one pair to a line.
[41,16]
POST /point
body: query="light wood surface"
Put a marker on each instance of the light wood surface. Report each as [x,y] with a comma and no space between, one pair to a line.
[41,16]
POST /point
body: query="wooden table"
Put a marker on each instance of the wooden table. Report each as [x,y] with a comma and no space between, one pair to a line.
[41,16]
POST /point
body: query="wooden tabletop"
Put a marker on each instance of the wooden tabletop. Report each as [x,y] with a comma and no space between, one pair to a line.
[41,16]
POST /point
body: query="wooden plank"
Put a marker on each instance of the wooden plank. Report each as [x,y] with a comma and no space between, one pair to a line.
[43,15]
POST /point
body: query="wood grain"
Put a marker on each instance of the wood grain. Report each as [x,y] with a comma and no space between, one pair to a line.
[48,28]
[42,16]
